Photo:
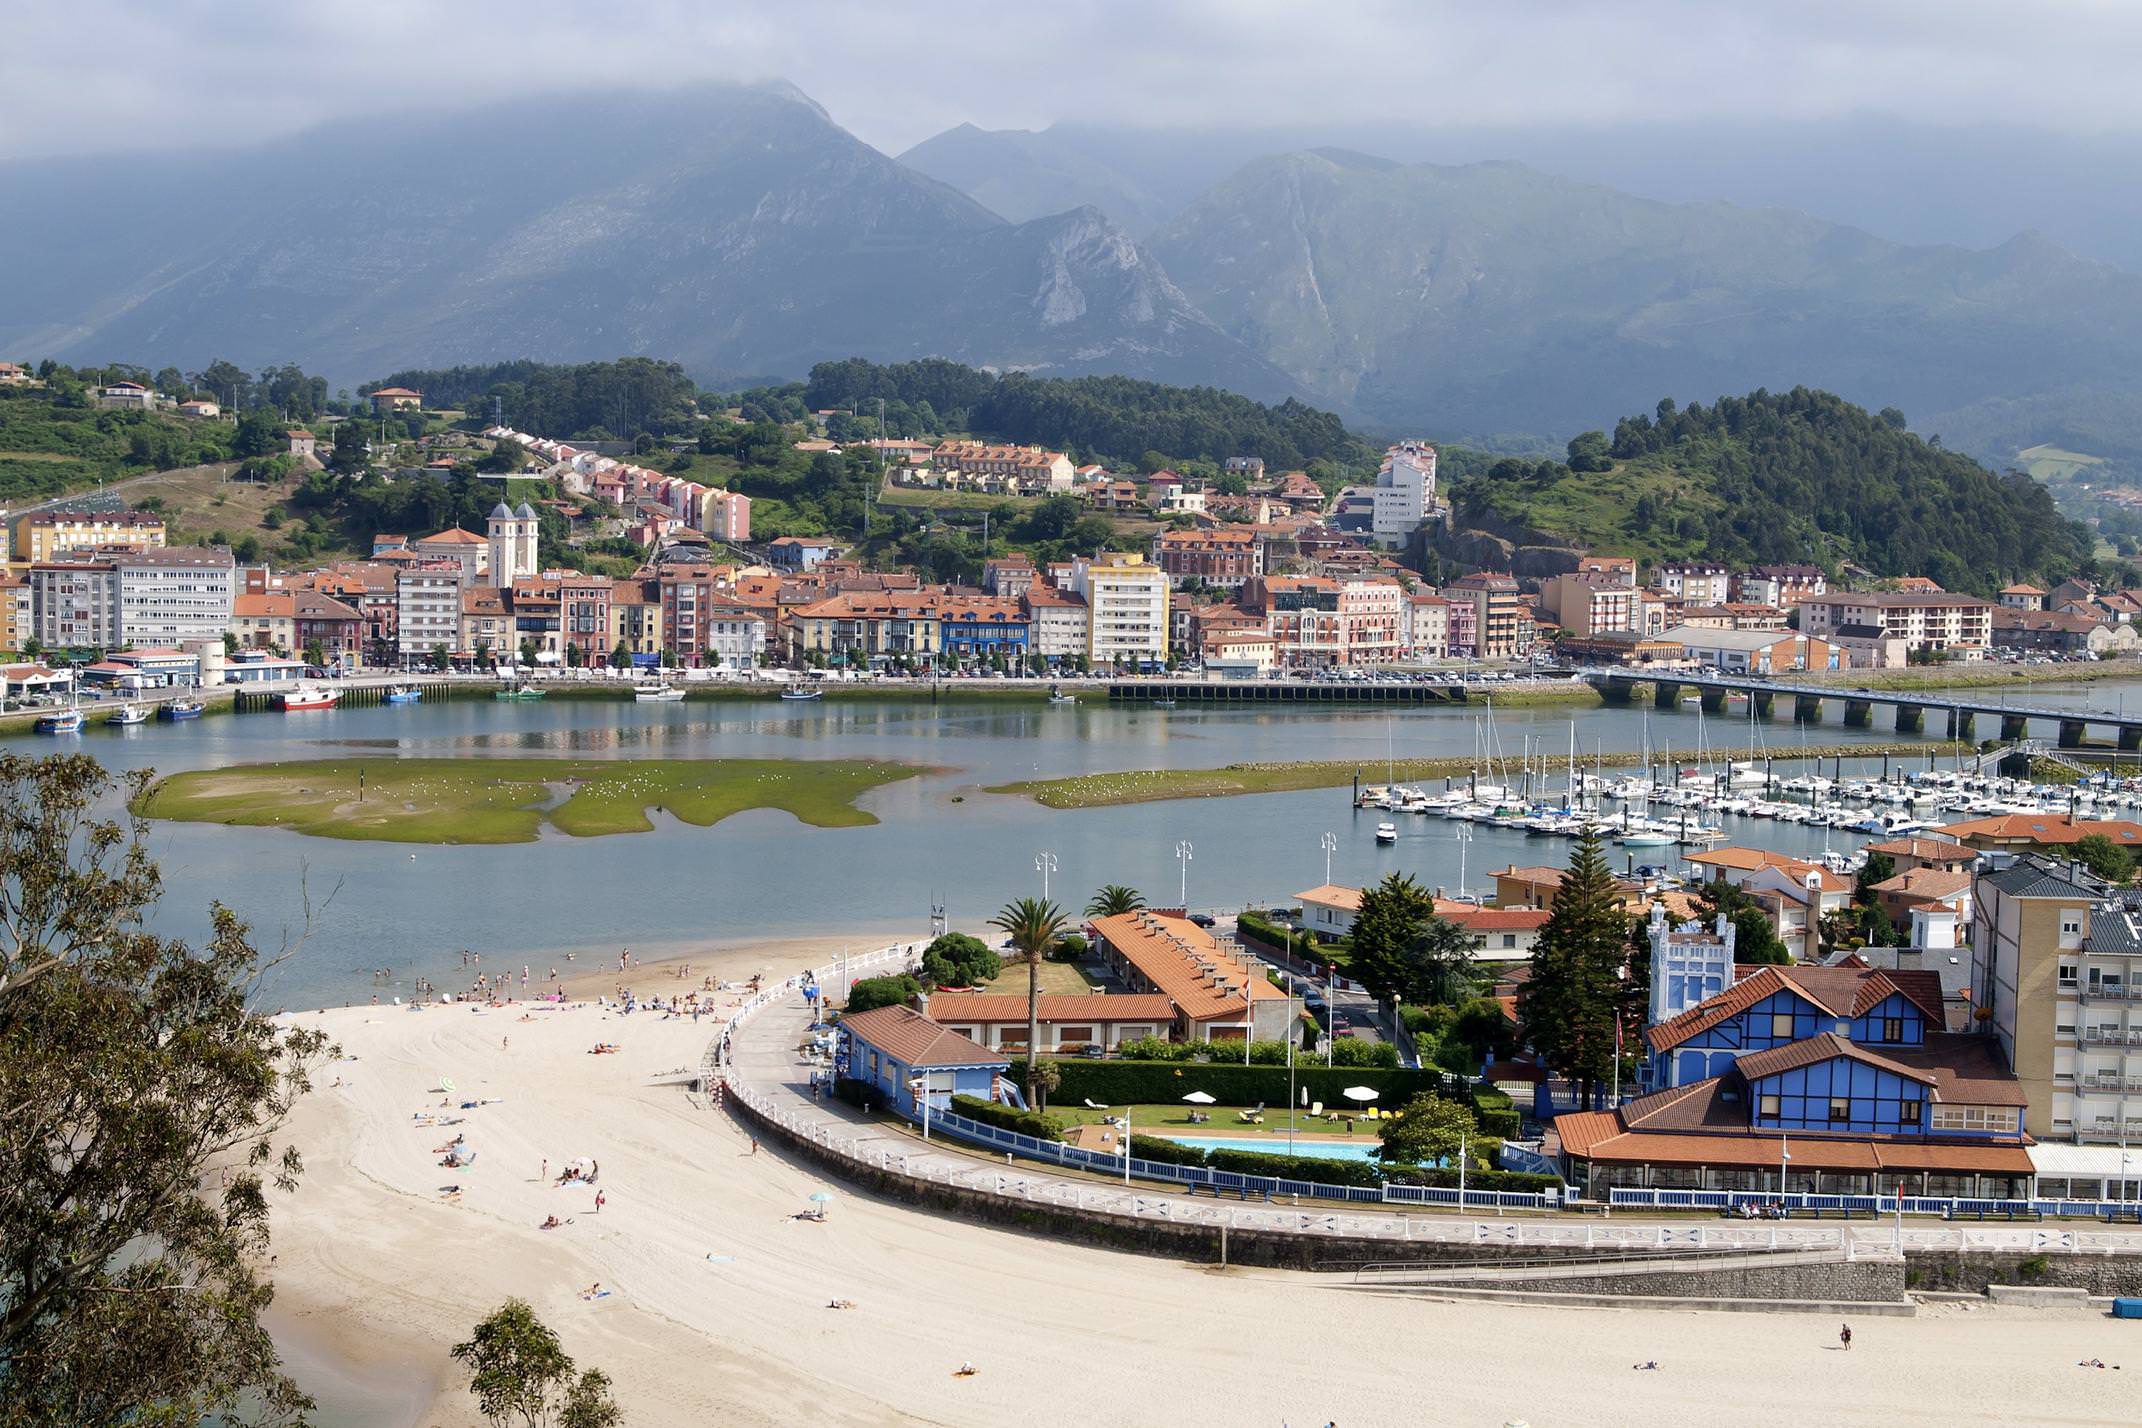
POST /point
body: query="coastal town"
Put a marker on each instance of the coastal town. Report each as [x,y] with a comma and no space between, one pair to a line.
[1273,576]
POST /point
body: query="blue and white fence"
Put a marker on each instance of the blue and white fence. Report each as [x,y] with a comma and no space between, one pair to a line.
[1947,1206]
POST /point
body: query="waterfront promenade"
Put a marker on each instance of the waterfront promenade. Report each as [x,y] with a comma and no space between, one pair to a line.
[771,1080]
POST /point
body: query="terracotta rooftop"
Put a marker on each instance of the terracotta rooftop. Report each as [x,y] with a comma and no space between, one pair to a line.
[1186,963]
[1926,883]
[1926,850]
[1055,1007]
[913,1039]
[1332,895]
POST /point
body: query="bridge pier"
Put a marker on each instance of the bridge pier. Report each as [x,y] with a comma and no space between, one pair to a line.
[1712,700]
[2071,733]
[1911,718]
[1962,722]
[1617,691]
[2014,727]
[1858,713]
[2130,738]
[1764,702]
[1807,709]
[1665,693]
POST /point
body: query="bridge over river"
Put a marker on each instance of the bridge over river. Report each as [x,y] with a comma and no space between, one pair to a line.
[1955,715]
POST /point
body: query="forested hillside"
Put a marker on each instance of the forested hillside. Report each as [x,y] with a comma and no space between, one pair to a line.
[1792,476]
[1116,418]
[588,399]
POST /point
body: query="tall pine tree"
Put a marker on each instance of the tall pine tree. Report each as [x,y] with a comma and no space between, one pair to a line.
[1570,1007]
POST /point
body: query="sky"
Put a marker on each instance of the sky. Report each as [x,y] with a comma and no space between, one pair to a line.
[190,73]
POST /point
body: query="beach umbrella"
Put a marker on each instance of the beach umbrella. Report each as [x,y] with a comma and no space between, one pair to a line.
[821,1199]
[446,1083]
[1199,1098]
[1359,1094]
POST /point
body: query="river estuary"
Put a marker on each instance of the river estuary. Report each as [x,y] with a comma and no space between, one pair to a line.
[939,839]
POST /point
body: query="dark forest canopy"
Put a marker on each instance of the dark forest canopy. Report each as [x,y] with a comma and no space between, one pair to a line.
[1790,476]
[590,400]
[1120,418]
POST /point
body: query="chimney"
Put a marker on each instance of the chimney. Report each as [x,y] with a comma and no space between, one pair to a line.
[922,1003]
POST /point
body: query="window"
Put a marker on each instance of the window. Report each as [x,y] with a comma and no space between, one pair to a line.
[2067,974]
[1908,1113]
[2071,924]
[1892,1028]
[1768,1106]
[1840,1108]
[1781,1025]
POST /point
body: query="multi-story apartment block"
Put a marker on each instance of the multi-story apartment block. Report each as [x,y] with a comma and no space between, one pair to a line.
[1693,582]
[173,597]
[702,620]
[1498,624]
[1424,627]
[1405,492]
[1320,622]
[18,610]
[1056,624]
[76,604]
[584,616]
[1923,619]
[1599,604]
[42,535]
[1782,585]
[868,627]
[636,617]
[1126,609]
[2058,957]
[427,612]
[1225,556]
[486,634]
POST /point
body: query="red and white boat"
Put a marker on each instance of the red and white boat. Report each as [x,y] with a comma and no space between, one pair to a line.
[308,696]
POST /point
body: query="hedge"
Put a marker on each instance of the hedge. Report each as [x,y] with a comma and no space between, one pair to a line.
[1011,1118]
[1321,1169]
[1308,946]
[1165,1151]
[1115,1083]
[1446,1178]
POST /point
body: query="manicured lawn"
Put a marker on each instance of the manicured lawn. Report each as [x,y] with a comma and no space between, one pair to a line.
[1176,1119]
[1056,978]
[508,800]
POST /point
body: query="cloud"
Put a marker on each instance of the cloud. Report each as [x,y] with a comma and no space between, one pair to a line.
[218,74]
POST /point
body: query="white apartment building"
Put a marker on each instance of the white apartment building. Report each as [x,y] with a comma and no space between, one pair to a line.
[174,597]
[1405,492]
[1694,582]
[427,611]
[1923,619]
[1126,608]
[1424,625]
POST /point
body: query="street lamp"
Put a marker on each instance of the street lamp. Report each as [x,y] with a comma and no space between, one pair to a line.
[1464,834]
[1183,852]
[1044,864]
[1330,844]
[1784,1158]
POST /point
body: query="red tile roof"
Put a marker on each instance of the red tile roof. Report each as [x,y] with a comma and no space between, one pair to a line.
[1055,1007]
[913,1039]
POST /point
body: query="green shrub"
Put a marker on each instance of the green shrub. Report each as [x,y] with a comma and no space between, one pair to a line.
[1165,1151]
[873,992]
[1070,947]
[1296,1167]
[1446,1177]
[1353,1051]
[1011,1118]
[957,960]
[1157,1048]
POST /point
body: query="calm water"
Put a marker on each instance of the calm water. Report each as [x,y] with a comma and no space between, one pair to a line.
[414,908]
[1277,1145]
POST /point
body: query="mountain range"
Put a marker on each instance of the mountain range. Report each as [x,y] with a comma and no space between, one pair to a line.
[738,230]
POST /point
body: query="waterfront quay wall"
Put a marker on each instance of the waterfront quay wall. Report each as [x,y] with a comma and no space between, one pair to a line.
[1213,1240]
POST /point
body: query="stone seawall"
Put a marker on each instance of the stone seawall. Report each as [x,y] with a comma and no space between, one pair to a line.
[1838,1281]
[1971,1272]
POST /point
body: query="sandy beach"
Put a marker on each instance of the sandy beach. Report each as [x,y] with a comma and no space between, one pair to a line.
[716,1305]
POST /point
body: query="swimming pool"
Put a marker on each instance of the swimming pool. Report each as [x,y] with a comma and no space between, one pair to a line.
[1277,1145]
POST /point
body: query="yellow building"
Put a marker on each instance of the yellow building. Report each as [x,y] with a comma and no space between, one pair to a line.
[636,617]
[43,534]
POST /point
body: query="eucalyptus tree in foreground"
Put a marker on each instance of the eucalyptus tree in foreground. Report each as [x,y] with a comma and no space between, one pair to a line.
[1033,927]
[139,1098]
[523,1378]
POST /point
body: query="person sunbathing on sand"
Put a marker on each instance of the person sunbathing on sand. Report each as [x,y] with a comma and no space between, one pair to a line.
[965,1370]
[840,1304]
[550,1222]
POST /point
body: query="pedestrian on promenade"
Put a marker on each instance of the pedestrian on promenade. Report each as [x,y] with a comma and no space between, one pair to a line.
[1844,1335]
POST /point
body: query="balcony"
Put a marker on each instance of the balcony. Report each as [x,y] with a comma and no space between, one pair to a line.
[2103,1082]
[2109,1036]
[2107,992]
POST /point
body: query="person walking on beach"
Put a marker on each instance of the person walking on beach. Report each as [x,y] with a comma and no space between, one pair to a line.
[598,1202]
[1844,1335]
[754,1145]
[544,1173]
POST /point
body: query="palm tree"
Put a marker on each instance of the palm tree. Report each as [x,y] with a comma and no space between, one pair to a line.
[1113,899]
[1033,925]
